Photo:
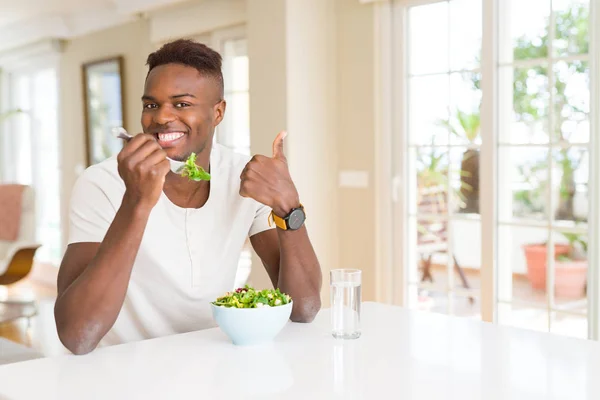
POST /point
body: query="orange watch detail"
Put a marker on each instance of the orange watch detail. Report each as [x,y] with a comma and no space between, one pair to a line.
[278,221]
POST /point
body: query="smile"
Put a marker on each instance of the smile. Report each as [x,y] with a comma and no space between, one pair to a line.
[168,138]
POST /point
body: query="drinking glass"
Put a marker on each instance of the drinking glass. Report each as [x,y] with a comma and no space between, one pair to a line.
[345,285]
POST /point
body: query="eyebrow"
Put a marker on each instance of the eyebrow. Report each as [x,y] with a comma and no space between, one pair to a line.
[177,96]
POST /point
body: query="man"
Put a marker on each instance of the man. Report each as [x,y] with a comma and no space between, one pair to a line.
[149,249]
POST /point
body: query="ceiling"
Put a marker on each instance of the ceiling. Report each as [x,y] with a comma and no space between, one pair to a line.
[14,11]
[27,21]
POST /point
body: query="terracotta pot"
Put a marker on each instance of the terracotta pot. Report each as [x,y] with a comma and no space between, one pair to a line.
[535,255]
[569,276]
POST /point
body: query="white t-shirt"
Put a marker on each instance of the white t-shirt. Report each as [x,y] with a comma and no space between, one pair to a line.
[187,257]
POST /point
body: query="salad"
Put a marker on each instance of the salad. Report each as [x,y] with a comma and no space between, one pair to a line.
[192,171]
[248,297]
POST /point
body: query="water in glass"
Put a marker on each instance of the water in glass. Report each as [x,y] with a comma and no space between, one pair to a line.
[345,309]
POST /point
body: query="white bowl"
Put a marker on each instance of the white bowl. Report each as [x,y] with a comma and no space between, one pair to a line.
[250,326]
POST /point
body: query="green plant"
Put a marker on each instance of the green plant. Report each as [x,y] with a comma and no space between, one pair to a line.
[5,115]
[531,94]
[533,198]
[467,126]
[464,125]
[578,247]
[432,177]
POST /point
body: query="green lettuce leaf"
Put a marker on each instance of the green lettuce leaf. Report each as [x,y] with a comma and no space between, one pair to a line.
[192,171]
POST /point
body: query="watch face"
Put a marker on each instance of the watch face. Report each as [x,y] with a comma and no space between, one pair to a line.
[296,219]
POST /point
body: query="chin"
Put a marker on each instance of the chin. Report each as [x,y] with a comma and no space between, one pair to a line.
[178,156]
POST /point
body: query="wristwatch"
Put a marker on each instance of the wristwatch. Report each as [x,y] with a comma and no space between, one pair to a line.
[293,221]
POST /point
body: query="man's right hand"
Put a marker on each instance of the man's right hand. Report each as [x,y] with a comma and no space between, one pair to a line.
[143,165]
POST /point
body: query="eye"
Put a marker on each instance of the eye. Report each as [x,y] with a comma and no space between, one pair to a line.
[149,106]
[182,105]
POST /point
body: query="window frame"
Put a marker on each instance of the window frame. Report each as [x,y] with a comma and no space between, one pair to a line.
[394,40]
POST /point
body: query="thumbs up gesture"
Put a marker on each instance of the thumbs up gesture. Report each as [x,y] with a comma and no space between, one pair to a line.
[268,181]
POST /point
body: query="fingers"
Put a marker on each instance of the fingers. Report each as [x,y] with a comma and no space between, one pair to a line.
[278,146]
[142,152]
[156,157]
[248,188]
[163,167]
[253,166]
[133,145]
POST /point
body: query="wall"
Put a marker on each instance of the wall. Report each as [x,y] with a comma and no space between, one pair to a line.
[356,137]
[132,42]
[268,86]
[293,84]
[193,18]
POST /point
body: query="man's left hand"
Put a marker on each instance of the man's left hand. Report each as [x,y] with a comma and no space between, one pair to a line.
[268,181]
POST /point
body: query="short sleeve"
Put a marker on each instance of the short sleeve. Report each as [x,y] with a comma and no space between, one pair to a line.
[91,212]
[261,221]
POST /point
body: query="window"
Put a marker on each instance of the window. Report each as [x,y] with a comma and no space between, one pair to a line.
[541,152]
[234,131]
[32,143]
[543,155]
[444,98]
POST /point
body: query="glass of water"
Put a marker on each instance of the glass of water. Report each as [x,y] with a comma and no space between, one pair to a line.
[345,285]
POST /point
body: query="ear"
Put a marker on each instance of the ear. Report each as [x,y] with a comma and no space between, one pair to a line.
[219,111]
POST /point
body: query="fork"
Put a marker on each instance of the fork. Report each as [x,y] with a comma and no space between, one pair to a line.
[121,133]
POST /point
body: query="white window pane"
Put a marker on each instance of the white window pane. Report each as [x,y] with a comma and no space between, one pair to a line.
[35,146]
[464,108]
[428,43]
[234,131]
[20,130]
[572,101]
[465,34]
[571,28]
[524,173]
[427,113]
[525,25]
[524,105]
[46,150]
[235,65]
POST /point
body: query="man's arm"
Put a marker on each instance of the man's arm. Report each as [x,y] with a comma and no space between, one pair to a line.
[93,277]
[93,280]
[288,256]
[292,265]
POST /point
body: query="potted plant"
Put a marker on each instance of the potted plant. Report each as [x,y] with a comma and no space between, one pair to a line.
[570,266]
[467,126]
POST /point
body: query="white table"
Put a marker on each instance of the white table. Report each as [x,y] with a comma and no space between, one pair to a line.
[11,352]
[401,355]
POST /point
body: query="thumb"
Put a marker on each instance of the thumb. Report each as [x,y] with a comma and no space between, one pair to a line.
[278,146]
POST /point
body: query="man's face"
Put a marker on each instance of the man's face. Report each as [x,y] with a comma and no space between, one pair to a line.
[181,109]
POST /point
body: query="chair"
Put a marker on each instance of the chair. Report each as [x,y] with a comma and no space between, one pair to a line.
[432,235]
[17,245]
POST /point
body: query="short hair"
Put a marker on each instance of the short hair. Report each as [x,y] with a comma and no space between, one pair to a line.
[192,54]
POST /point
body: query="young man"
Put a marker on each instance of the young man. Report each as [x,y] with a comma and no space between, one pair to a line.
[149,249]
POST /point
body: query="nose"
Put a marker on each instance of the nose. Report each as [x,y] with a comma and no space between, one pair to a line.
[164,115]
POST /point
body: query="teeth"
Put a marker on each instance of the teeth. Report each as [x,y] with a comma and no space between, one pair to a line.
[169,137]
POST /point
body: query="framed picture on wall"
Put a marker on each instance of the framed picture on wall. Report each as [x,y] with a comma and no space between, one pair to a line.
[104,108]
